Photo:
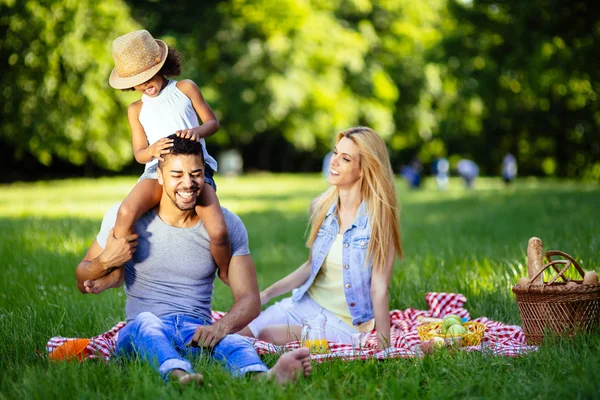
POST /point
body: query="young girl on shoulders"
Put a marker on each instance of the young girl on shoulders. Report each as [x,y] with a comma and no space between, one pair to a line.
[143,64]
[354,240]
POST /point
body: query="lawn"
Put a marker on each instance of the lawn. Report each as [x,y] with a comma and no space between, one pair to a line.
[470,242]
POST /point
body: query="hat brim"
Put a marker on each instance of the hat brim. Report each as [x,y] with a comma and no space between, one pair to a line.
[128,82]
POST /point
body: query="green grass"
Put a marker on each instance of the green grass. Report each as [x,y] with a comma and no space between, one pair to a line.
[472,242]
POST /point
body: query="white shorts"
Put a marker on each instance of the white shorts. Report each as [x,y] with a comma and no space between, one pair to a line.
[286,312]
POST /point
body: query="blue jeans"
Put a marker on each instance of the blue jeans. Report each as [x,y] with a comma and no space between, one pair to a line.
[162,342]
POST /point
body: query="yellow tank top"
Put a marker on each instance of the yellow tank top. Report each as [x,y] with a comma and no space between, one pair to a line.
[327,289]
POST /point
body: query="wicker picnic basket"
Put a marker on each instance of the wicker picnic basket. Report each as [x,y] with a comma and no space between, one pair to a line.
[558,308]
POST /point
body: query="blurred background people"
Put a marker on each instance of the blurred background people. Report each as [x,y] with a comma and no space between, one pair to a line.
[509,168]
[441,171]
[468,170]
[412,173]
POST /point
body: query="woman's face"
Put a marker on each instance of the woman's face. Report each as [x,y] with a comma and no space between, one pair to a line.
[344,167]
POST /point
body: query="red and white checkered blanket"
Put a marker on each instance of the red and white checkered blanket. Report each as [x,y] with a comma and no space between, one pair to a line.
[499,339]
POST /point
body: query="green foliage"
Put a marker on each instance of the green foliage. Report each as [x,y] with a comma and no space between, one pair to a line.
[472,242]
[305,70]
[453,78]
[520,78]
[56,98]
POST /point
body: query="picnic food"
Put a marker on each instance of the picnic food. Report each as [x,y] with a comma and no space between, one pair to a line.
[448,322]
[457,330]
[562,308]
[317,346]
[438,342]
[471,336]
[535,260]
[590,278]
[523,282]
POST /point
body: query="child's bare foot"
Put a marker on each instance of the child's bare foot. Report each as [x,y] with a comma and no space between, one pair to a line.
[291,365]
[113,280]
[184,378]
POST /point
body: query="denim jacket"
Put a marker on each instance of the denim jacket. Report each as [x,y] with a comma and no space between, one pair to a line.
[356,269]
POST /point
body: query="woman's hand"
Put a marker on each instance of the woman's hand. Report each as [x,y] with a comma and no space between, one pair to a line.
[264,298]
[160,148]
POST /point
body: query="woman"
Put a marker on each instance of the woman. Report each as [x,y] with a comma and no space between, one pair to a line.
[354,239]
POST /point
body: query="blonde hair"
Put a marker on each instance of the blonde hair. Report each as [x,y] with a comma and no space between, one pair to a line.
[377,189]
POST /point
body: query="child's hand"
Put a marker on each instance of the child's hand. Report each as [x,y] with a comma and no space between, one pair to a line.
[188,134]
[160,147]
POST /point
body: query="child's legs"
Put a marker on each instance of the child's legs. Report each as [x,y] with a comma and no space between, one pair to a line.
[210,212]
[145,195]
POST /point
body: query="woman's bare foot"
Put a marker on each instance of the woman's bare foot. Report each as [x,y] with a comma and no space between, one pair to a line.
[291,365]
[184,378]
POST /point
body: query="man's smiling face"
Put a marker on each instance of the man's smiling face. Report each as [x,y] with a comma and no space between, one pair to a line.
[182,177]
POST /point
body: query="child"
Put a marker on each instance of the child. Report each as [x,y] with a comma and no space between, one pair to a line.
[166,107]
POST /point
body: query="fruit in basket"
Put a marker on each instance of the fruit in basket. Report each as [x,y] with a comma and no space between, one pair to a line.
[438,342]
[453,316]
[448,322]
[457,330]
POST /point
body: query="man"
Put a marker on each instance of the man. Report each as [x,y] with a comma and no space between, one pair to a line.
[169,275]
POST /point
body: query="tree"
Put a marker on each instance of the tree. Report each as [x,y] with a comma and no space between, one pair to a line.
[525,81]
[56,98]
[303,70]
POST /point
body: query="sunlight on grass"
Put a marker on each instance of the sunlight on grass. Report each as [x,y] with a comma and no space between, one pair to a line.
[463,241]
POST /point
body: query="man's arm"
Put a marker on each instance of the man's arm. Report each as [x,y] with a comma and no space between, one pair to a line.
[246,304]
[98,262]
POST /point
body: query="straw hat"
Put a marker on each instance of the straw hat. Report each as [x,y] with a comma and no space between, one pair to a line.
[138,57]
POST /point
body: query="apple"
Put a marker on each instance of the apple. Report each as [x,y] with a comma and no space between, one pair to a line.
[453,316]
[448,322]
[457,330]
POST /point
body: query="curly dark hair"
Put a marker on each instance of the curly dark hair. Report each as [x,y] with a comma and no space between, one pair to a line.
[182,146]
[171,67]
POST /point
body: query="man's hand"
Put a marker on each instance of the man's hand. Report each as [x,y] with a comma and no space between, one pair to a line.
[208,335]
[118,251]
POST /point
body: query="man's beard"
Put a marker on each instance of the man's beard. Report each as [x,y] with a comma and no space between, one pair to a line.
[181,205]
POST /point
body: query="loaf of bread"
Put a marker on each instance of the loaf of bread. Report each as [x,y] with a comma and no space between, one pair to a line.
[535,260]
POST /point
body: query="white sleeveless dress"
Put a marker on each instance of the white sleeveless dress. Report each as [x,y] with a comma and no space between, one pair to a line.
[164,115]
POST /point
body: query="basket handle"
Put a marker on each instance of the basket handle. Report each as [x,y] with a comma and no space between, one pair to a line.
[551,253]
[567,264]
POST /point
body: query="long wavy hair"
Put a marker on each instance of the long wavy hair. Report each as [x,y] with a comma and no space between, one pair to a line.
[377,189]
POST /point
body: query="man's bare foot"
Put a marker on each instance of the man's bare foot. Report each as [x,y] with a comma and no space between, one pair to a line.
[291,366]
[184,378]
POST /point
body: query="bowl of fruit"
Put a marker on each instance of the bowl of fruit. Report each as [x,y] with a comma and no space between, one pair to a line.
[452,330]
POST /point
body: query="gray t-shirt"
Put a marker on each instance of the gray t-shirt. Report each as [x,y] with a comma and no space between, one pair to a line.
[172,270]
